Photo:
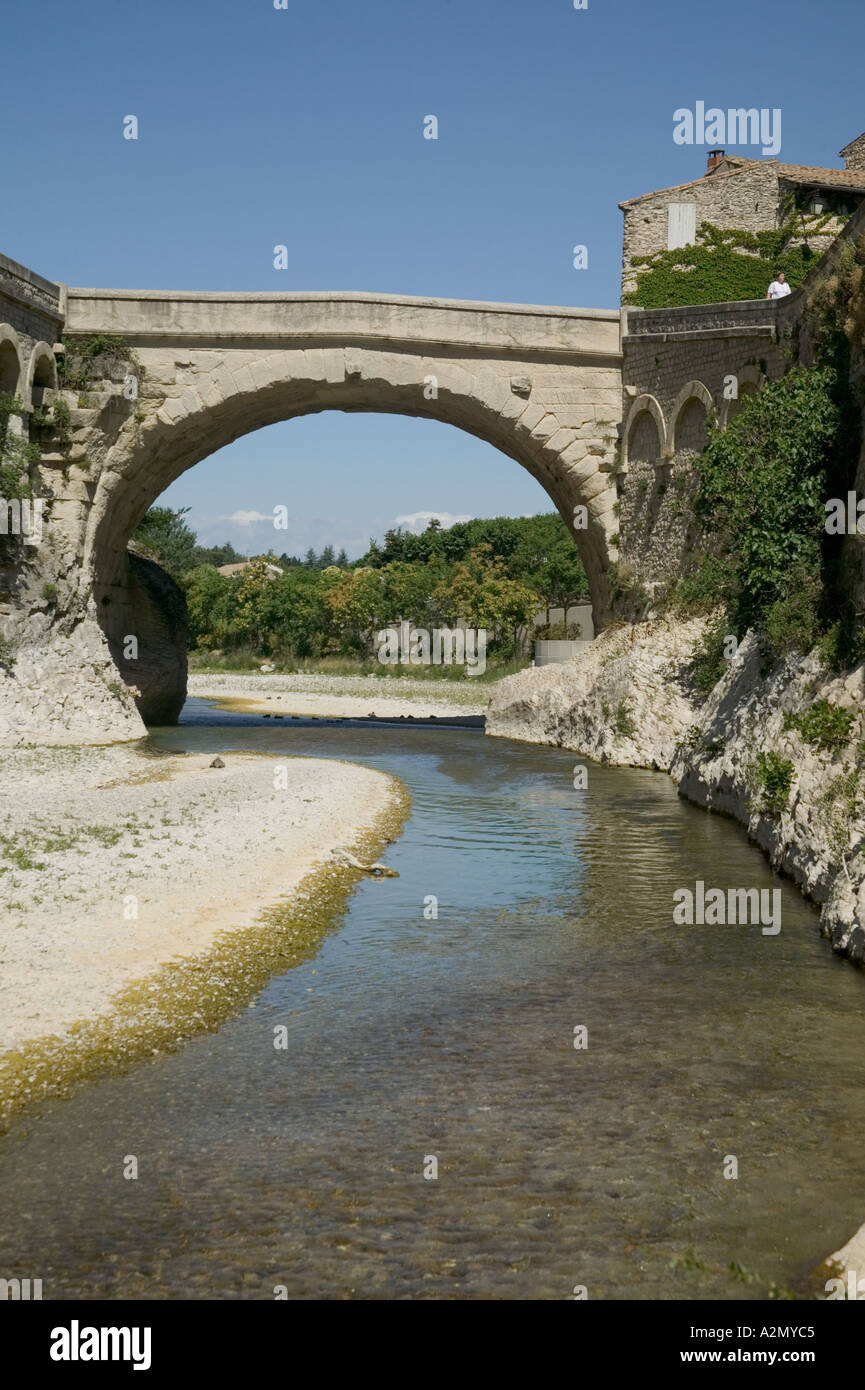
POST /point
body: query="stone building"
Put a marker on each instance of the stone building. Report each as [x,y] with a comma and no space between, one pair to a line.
[757,195]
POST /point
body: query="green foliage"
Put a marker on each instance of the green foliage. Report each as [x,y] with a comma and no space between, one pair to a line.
[842,644]
[538,550]
[257,610]
[322,607]
[836,305]
[722,265]
[623,721]
[623,581]
[839,807]
[78,364]
[761,497]
[163,535]
[711,582]
[708,659]
[49,592]
[792,623]
[62,417]
[823,726]
[558,632]
[222,555]
[7,652]
[775,776]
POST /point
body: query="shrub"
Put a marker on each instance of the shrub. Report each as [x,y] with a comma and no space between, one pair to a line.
[775,776]
[761,494]
[709,659]
[792,623]
[623,723]
[823,726]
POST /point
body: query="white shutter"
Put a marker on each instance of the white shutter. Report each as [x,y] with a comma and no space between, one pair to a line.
[681,225]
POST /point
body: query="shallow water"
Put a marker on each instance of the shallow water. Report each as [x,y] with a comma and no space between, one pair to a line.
[453,1038]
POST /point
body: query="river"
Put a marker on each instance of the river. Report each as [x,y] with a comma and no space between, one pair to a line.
[411,1038]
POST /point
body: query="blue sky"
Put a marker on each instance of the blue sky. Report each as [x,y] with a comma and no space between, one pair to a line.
[304,126]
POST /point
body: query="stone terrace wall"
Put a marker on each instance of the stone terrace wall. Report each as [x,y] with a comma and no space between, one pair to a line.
[674,365]
[33,306]
[675,362]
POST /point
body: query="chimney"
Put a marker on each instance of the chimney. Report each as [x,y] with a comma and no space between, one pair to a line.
[715,157]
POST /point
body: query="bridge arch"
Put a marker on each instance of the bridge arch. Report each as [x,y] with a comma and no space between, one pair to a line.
[194,402]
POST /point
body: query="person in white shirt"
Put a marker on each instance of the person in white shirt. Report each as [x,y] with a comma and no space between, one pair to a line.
[778,287]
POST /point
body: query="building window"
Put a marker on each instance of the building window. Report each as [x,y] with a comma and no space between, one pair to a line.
[681,225]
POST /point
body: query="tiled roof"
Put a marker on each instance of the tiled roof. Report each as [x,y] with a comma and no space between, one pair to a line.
[731,164]
[834,178]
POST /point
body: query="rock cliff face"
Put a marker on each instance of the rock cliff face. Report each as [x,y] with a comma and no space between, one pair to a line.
[629,700]
[67,691]
[85,686]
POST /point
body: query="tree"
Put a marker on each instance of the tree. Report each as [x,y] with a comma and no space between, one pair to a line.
[163,535]
[481,594]
[210,607]
[218,555]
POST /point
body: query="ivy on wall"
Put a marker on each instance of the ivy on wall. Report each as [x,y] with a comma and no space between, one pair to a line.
[727,264]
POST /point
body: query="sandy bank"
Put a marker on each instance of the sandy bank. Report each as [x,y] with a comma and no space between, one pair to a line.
[134,887]
[343,697]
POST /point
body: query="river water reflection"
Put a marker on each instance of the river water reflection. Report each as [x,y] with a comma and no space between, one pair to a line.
[454,1038]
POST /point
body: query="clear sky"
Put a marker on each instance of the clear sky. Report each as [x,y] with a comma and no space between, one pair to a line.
[303,126]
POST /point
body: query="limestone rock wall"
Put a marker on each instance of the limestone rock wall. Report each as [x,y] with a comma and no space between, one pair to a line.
[626,699]
[65,690]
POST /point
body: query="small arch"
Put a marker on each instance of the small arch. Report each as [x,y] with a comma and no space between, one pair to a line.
[750,380]
[11,360]
[692,410]
[41,386]
[644,437]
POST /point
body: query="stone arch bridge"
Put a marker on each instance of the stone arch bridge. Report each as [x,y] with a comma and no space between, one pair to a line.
[598,405]
[543,385]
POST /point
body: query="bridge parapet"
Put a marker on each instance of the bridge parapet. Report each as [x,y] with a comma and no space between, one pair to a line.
[394,321]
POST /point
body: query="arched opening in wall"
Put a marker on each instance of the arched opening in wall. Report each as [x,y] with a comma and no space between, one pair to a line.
[10,365]
[644,445]
[315,533]
[691,427]
[43,385]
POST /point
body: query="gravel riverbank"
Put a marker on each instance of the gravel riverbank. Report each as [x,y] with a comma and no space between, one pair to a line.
[119,868]
[343,697]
